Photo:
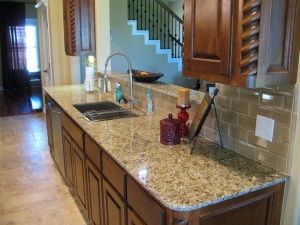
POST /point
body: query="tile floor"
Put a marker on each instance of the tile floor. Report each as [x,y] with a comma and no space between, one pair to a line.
[31,189]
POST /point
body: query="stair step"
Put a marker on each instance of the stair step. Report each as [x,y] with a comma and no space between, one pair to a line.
[145,33]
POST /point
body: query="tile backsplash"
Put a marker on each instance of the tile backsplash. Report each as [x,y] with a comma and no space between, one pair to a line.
[237,109]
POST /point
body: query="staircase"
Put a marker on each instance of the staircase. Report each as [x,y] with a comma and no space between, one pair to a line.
[160,27]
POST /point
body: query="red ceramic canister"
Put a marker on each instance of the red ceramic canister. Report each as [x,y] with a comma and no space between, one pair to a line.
[170,131]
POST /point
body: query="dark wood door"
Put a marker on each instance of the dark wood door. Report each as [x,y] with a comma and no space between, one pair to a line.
[68,154]
[208,37]
[79,176]
[133,219]
[94,189]
[114,206]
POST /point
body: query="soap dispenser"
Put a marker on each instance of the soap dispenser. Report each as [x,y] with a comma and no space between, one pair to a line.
[118,93]
[149,103]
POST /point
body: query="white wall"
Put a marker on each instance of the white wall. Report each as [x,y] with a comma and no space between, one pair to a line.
[291,209]
[61,64]
[102,24]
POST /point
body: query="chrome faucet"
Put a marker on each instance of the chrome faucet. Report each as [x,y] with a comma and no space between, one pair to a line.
[132,99]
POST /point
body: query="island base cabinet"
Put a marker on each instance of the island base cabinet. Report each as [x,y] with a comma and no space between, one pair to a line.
[133,219]
[114,206]
[262,207]
[68,154]
[94,189]
[79,176]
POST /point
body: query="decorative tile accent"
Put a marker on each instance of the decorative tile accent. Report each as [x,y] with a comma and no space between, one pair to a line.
[279,148]
[256,109]
[229,91]
[272,99]
[229,116]
[268,158]
[257,141]
[240,106]
[247,150]
[247,122]
[239,133]
[282,117]
[252,95]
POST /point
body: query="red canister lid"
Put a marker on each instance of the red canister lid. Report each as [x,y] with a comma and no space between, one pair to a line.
[170,131]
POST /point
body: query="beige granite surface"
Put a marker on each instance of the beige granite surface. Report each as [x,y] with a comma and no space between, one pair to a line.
[179,180]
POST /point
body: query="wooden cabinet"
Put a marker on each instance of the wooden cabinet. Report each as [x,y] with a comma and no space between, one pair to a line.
[68,155]
[109,195]
[79,176]
[94,181]
[241,43]
[261,207]
[114,206]
[94,189]
[79,27]
[147,209]
[73,142]
[133,219]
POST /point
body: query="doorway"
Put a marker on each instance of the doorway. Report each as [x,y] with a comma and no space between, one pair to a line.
[24,95]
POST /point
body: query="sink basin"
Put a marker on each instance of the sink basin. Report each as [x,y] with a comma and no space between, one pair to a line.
[100,111]
[98,106]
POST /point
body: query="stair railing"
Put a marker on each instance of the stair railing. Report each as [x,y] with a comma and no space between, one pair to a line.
[163,24]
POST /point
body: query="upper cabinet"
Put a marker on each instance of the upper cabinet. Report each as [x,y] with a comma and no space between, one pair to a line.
[79,27]
[246,43]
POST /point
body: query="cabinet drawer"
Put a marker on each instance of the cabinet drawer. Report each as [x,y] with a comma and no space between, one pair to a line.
[73,129]
[144,205]
[93,151]
[114,174]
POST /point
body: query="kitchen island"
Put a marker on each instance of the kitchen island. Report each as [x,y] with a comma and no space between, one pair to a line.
[162,184]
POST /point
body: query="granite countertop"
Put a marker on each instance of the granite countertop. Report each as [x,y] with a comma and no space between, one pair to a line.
[181,181]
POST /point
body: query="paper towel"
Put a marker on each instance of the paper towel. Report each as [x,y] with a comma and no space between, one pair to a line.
[89,79]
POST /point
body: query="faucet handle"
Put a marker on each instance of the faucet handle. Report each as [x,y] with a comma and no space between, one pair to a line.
[133,100]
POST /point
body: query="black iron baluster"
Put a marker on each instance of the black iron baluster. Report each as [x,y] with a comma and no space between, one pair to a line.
[163,24]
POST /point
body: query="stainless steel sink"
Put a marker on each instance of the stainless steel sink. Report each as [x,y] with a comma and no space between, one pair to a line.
[100,111]
[98,106]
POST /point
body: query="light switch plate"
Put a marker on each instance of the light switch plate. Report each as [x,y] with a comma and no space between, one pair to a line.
[264,127]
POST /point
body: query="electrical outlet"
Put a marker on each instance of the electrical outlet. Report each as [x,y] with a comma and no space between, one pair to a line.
[264,128]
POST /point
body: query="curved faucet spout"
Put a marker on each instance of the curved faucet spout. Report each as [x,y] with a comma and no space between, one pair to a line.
[132,100]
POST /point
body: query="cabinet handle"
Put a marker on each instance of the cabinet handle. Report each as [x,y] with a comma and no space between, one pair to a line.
[52,110]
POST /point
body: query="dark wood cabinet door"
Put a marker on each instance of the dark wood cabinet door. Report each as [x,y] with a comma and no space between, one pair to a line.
[68,154]
[241,43]
[94,189]
[208,37]
[79,176]
[114,206]
[256,211]
[79,27]
[49,129]
[133,219]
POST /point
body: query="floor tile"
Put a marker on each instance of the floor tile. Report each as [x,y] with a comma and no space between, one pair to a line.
[9,150]
[42,172]
[11,177]
[16,138]
[22,160]
[32,191]
[56,213]
[25,216]
[18,197]
[33,146]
